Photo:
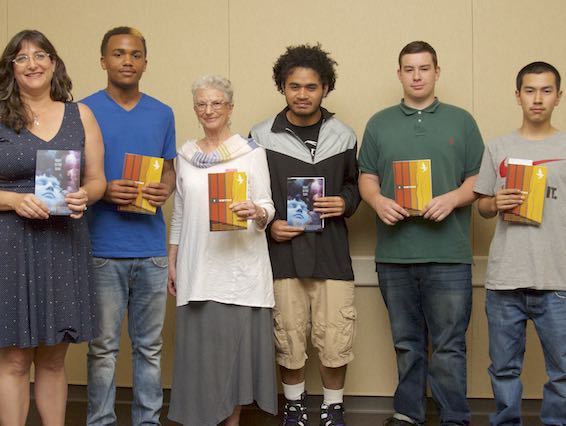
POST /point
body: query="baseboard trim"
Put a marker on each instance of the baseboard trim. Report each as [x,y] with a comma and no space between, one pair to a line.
[354,403]
[365,275]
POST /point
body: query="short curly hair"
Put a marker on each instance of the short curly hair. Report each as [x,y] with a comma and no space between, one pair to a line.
[305,56]
[214,82]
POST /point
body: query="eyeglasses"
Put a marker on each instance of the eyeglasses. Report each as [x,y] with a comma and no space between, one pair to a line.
[215,105]
[40,57]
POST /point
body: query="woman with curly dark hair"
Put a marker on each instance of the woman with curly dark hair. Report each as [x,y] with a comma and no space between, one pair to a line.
[45,292]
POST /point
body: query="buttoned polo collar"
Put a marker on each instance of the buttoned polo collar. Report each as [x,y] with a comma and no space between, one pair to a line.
[407,110]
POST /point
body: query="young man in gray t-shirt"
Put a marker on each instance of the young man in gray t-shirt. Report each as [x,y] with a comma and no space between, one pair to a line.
[526,275]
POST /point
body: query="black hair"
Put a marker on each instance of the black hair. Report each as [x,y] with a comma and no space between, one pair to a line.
[537,68]
[121,31]
[305,56]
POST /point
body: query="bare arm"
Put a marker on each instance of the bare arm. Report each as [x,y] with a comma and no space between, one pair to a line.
[504,200]
[441,206]
[25,205]
[94,180]
[387,209]
[172,272]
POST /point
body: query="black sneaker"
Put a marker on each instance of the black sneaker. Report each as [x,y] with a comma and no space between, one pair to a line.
[332,415]
[392,421]
[295,413]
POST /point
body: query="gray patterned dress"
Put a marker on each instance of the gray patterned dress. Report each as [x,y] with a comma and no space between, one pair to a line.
[46,295]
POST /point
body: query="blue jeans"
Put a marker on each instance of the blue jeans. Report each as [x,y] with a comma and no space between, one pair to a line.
[433,298]
[507,315]
[140,285]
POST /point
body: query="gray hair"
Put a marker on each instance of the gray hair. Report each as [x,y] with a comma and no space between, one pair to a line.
[214,82]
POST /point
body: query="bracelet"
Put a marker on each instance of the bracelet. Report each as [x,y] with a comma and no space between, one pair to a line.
[261,220]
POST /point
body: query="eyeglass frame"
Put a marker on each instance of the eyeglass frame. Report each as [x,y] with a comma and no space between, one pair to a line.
[214,105]
[28,58]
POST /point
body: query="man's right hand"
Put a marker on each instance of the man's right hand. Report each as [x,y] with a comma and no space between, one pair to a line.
[121,192]
[508,198]
[281,231]
[388,210]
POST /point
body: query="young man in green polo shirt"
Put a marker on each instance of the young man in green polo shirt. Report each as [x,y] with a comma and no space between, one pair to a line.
[424,261]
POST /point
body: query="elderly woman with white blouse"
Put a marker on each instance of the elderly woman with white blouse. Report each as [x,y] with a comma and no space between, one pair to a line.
[222,280]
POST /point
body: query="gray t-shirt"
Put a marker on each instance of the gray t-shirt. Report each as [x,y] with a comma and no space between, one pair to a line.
[527,256]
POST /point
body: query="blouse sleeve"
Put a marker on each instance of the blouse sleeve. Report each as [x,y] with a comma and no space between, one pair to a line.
[261,185]
[177,216]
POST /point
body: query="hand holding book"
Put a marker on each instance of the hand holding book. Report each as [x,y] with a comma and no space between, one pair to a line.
[440,207]
[248,210]
[388,210]
[57,176]
[507,199]
[76,201]
[530,181]
[145,173]
[121,192]
[282,231]
[28,206]
[332,206]
[156,193]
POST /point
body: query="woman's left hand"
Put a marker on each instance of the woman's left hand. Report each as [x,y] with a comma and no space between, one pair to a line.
[245,209]
[77,203]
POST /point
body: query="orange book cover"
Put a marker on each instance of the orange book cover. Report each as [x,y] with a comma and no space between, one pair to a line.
[413,184]
[142,169]
[531,181]
[224,189]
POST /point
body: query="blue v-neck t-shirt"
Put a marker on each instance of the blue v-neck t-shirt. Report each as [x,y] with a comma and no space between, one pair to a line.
[146,129]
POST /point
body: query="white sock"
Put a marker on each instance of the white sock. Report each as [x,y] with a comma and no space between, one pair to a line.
[400,416]
[333,396]
[293,392]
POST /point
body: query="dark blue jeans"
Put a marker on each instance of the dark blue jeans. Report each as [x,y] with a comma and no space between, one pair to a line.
[429,299]
[507,315]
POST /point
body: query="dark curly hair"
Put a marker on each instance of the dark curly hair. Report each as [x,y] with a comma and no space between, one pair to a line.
[305,56]
[14,114]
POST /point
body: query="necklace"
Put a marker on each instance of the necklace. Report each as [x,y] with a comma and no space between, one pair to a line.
[36,120]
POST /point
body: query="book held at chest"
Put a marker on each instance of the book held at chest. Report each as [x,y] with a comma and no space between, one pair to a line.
[143,170]
[57,173]
[531,181]
[302,192]
[224,189]
[412,184]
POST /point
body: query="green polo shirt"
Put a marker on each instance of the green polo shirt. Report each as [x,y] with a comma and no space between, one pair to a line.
[450,138]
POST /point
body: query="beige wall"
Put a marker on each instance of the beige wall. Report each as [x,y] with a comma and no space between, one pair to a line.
[481,45]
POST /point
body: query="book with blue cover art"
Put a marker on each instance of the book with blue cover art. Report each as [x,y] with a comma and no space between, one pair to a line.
[57,173]
[301,195]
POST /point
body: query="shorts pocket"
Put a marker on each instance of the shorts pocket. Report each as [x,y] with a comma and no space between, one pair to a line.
[347,333]
[281,343]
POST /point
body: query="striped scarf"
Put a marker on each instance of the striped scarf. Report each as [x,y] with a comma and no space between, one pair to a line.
[233,147]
